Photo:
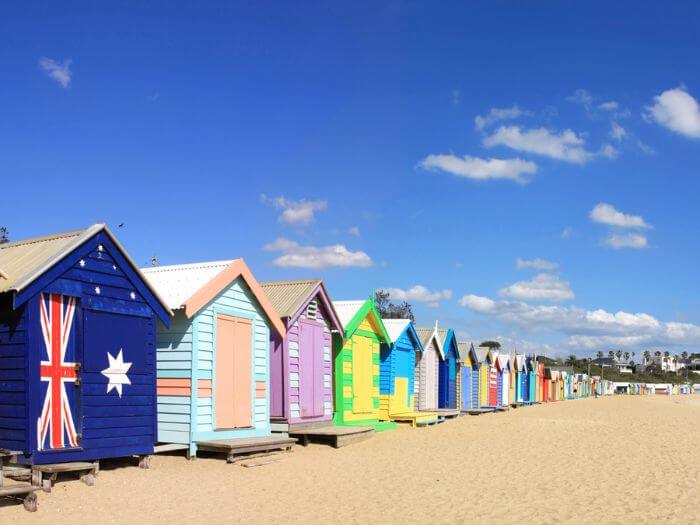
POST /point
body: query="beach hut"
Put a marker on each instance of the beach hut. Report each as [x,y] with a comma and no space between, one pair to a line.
[77,349]
[301,369]
[468,376]
[397,363]
[495,378]
[504,368]
[483,359]
[427,371]
[214,360]
[532,379]
[447,377]
[356,364]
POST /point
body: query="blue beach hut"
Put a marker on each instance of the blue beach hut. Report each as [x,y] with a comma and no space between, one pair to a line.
[447,391]
[468,376]
[77,349]
[397,364]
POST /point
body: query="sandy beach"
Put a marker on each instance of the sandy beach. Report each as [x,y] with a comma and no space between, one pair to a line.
[617,459]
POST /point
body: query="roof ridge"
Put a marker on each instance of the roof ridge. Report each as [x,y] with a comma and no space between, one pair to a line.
[44,238]
[291,281]
[187,266]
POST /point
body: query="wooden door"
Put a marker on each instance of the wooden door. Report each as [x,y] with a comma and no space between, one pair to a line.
[493,386]
[311,369]
[431,378]
[233,403]
[363,402]
[466,386]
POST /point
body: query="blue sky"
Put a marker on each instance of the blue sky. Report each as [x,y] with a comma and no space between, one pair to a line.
[412,146]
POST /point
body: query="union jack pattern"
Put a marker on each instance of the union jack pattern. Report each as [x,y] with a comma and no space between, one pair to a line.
[56,419]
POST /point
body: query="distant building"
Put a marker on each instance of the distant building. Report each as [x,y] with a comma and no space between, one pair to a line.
[613,362]
[668,363]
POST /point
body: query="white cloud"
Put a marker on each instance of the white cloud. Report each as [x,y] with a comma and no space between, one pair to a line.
[617,132]
[481,169]
[583,97]
[456,97]
[645,148]
[608,151]
[542,287]
[420,294]
[677,110]
[590,328]
[58,71]
[607,214]
[567,232]
[498,114]
[354,230]
[299,213]
[609,106]
[537,264]
[566,146]
[626,240]
[298,256]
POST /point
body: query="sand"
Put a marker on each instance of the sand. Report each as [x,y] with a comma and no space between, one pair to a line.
[617,459]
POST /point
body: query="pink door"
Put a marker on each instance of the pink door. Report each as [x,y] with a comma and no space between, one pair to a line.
[234,373]
[311,369]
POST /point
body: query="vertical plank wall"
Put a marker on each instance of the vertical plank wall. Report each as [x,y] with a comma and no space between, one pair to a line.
[293,398]
[12,376]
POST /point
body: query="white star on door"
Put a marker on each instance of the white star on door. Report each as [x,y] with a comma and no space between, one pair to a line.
[116,373]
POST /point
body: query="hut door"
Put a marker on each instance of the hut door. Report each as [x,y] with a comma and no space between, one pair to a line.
[59,424]
[466,386]
[431,377]
[362,375]
[234,382]
[311,369]
[117,376]
[493,386]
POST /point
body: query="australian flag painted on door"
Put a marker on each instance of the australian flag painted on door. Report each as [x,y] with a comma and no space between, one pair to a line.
[77,350]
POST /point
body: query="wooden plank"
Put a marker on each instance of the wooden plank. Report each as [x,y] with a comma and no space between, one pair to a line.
[17,490]
[75,466]
[169,447]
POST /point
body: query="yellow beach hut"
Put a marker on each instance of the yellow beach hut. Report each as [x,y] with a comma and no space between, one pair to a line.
[356,364]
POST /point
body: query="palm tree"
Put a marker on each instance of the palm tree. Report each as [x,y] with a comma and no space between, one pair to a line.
[618,354]
[599,354]
[684,355]
[611,354]
[571,360]
[627,356]
[657,353]
[647,356]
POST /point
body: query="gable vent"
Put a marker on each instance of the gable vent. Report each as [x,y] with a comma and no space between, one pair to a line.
[312,310]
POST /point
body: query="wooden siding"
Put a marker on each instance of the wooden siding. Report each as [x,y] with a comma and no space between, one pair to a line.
[174,363]
[346,389]
[13,377]
[397,377]
[109,298]
[293,351]
[428,365]
[187,351]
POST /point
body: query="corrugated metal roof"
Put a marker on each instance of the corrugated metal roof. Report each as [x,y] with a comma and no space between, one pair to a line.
[25,260]
[481,353]
[346,310]
[288,296]
[464,347]
[395,327]
[442,334]
[179,282]
[425,335]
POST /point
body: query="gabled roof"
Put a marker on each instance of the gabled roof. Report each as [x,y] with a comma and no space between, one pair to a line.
[428,335]
[290,297]
[445,335]
[23,262]
[192,286]
[396,328]
[520,362]
[504,361]
[466,348]
[482,352]
[352,313]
